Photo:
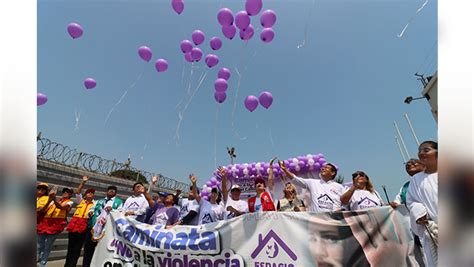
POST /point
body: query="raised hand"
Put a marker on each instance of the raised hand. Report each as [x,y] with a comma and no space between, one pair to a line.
[272,160]
[222,172]
[154,179]
[192,178]
[282,165]
[85,178]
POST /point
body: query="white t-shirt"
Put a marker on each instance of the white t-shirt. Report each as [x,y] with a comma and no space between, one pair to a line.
[422,199]
[210,213]
[138,204]
[187,206]
[363,199]
[325,196]
[240,205]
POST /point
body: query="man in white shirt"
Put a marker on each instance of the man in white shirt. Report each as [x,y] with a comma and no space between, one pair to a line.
[325,192]
[234,206]
[135,206]
[210,211]
[422,201]
[189,212]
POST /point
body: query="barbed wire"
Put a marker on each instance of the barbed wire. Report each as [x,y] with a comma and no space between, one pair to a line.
[59,153]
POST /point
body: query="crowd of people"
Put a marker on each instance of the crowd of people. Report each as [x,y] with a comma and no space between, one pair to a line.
[418,194]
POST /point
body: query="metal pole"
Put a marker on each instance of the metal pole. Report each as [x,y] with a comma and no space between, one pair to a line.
[401,151]
[412,130]
[401,139]
[386,195]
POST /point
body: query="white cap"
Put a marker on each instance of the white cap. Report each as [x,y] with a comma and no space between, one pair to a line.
[235,186]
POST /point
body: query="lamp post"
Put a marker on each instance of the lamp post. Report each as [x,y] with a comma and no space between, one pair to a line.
[231,152]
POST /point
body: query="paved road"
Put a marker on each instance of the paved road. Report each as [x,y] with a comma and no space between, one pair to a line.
[60,263]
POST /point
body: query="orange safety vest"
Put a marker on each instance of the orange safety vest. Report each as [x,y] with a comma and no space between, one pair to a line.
[41,202]
[266,200]
[54,213]
[83,209]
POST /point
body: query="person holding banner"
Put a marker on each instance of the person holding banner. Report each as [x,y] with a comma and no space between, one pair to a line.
[189,213]
[211,211]
[422,201]
[362,194]
[234,206]
[135,206]
[160,213]
[325,193]
[101,207]
[77,227]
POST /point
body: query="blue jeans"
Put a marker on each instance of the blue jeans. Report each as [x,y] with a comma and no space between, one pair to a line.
[45,243]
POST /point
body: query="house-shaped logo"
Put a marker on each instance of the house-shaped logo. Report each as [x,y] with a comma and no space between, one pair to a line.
[207,218]
[133,205]
[264,243]
[325,197]
[367,201]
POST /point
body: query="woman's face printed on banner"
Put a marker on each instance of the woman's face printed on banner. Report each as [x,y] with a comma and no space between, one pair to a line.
[331,244]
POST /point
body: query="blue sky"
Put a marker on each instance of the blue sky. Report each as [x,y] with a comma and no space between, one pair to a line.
[337,95]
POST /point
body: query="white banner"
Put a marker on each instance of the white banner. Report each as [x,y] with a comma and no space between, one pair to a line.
[377,237]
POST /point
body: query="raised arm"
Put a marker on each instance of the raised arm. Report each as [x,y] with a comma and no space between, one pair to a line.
[85,178]
[285,170]
[223,174]
[149,199]
[346,197]
[271,176]
[295,179]
[193,180]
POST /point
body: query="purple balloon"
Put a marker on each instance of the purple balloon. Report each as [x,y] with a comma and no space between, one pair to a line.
[89,83]
[178,6]
[216,43]
[145,53]
[188,57]
[211,60]
[242,20]
[224,73]
[213,179]
[229,31]
[247,33]
[186,46]
[196,54]
[225,17]
[198,37]
[209,183]
[220,97]
[253,7]
[220,85]
[265,99]
[267,35]
[75,30]
[268,18]
[251,103]
[161,65]
[41,99]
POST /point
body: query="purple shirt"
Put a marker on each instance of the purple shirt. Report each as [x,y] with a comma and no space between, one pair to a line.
[165,216]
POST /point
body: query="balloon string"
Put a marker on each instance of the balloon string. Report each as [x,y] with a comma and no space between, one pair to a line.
[215,135]
[181,113]
[78,117]
[237,92]
[271,139]
[303,43]
[188,89]
[123,96]
[412,18]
